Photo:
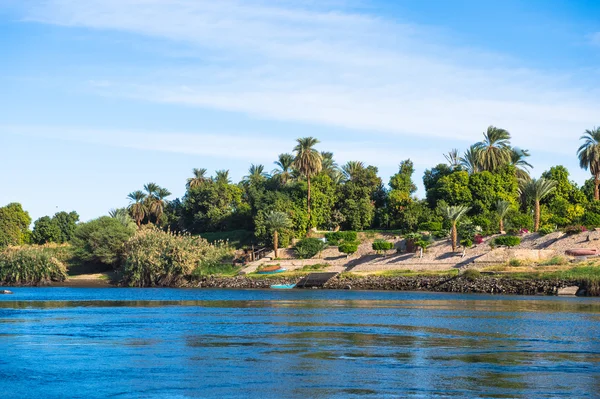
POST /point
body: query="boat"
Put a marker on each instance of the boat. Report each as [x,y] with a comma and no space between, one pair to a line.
[271,270]
[283,286]
[582,252]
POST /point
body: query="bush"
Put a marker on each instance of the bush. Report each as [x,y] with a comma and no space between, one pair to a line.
[571,230]
[423,243]
[471,274]
[337,237]
[307,248]
[507,241]
[478,239]
[348,248]
[555,261]
[544,231]
[30,265]
[381,246]
[101,241]
[467,243]
[431,226]
[515,262]
[155,258]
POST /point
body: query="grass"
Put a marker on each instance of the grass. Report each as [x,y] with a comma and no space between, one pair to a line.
[309,268]
[236,238]
[403,273]
[555,261]
[589,273]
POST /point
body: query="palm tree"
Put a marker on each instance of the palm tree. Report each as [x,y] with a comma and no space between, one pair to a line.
[222,177]
[122,215]
[471,160]
[537,190]
[352,169]
[137,206]
[308,162]
[198,179]
[329,165]
[276,222]
[453,158]
[284,172]
[589,156]
[157,206]
[502,208]
[454,214]
[256,173]
[494,149]
[517,159]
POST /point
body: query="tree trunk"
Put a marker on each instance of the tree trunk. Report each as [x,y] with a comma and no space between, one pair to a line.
[597,187]
[276,243]
[501,225]
[454,237]
[308,203]
[536,225]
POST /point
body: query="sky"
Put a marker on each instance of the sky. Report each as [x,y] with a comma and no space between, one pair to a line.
[99,97]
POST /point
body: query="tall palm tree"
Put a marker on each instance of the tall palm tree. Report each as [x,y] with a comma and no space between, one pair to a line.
[256,173]
[453,158]
[471,159]
[494,149]
[517,159]
[222,177]
[308,161]
[329,165]
[198,179]
[284,172]
[454,214]
[589,156]
[502,208]
[537,190]
[352,169]
[137,206]
[157,207]
[275,223]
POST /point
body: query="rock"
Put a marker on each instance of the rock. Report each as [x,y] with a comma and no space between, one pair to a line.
[572,290]
[7,292]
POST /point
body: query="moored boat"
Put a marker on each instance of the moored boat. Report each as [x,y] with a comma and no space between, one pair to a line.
[283,286]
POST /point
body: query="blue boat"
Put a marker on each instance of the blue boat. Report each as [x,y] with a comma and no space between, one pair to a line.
[271,271]
[283,286]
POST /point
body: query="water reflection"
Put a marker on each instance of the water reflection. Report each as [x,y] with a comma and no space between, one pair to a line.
[245,344]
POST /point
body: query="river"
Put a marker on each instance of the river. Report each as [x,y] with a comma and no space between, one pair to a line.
[178,343]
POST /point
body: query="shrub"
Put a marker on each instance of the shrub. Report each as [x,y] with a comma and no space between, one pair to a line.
[155,258]
[101,241]
[431,226]
[543,231]
[381,246]
[515,262]
[337,237]
[471,274]
[571,230]
[307,248]
[554,261]
[348,248]
[478,239]
[467,243]
[507,241]
[30,265]
[423,243]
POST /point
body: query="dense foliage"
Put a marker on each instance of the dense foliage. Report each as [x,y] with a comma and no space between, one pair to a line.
[507,241]
[14,225]
[337,237]
[58,229]
[309,247]
[154,258]
[31,265]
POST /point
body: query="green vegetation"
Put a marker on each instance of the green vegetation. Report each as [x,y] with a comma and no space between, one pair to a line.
[348,248]
[545,230]
[515,262]
[471,274]
[309,247]
[14,225]
[382,246]
[337,237]
[507,241]
[31,265]
[154,258]
[555,261]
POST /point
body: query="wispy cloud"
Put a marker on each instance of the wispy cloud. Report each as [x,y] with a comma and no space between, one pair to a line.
[320,63]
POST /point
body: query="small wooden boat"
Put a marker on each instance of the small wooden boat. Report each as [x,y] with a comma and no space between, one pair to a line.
[271,270]
[6,292]
[283,286]
[582,252]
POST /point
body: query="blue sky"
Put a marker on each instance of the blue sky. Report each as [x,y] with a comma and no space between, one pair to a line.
[101,96]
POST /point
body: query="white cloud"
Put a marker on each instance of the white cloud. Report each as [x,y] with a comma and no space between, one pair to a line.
[319,63]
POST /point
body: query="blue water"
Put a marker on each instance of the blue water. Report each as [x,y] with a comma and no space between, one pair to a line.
[173,343]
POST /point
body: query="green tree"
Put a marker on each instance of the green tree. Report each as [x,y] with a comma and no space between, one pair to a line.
[284,171]
[275,223]
[453,214]
[14,225]
[157,207]
[222,177]
[137,206]
[256,175]
[495,149]
[352,169]
[566,204]
[198,178]
[536,190]
[123,216]
[308,161]
[589,157]
[471,159]
[67,223]
[45,230]
[453,158]
[502,208]
[517,160]
[454,188]
[101,241]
